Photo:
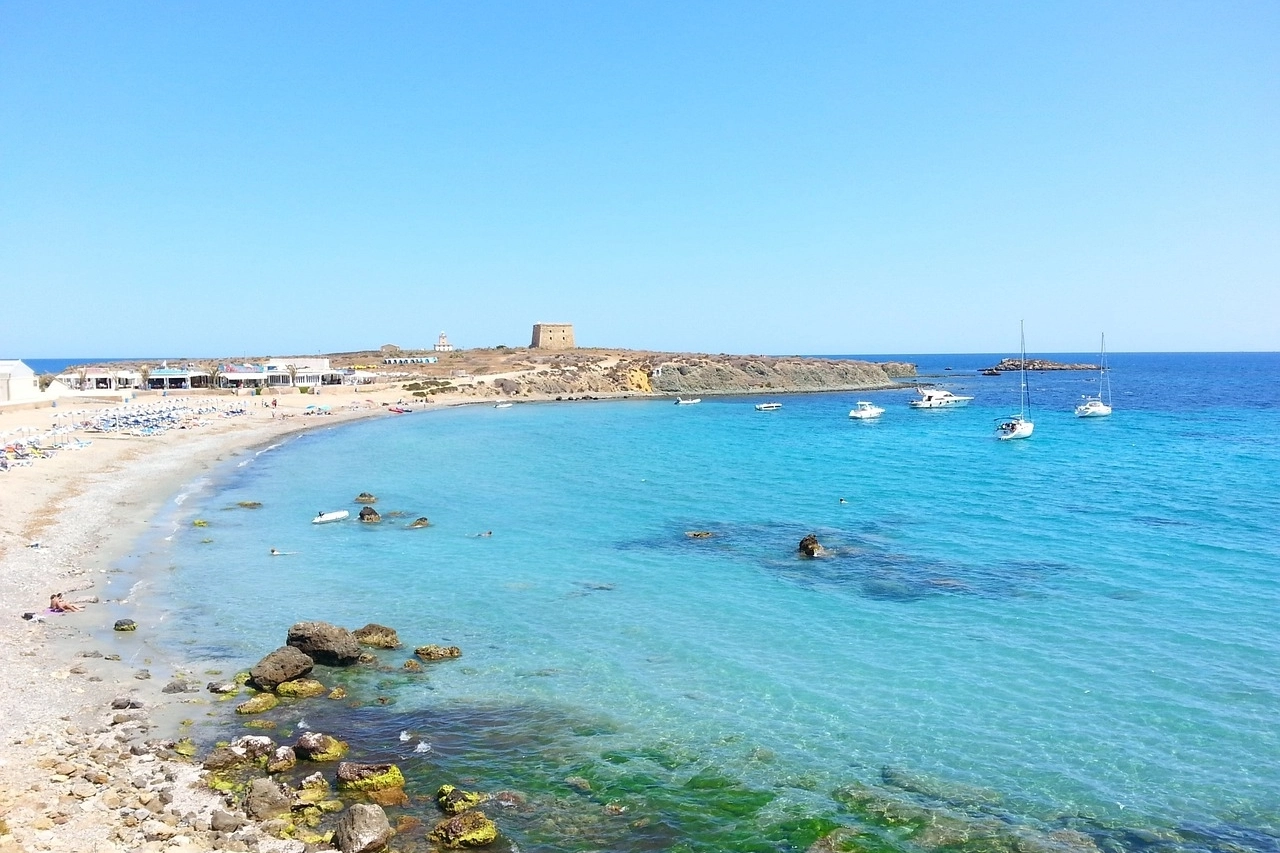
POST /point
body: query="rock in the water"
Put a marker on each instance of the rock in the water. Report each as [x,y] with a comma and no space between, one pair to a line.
[254,746]
[301,688]
[125,625]
[362,829]
[368,777]
[315,746]
[224,758]
[258,704]
[411,665]
[453,800]
[222,687]
[282,760]
[699,534]
[366,498]
[325,643]
[369,515]
[469,829]
[434,652]
[267,799]
[377,636]
[284,664]
[181,685]
[423,521]
[121,703]
[810,547]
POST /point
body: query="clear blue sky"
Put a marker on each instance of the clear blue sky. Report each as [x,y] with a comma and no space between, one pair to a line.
[221,178]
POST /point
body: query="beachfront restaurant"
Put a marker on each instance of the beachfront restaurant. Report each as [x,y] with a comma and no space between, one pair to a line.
[243,376]
[177,379]
[301,372]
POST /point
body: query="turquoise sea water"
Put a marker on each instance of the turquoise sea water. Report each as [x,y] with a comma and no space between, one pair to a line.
[1077,631]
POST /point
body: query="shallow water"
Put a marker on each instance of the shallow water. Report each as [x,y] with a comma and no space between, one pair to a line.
[1080,625]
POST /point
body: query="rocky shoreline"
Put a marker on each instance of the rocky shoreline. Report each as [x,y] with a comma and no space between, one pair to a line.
[1011,365]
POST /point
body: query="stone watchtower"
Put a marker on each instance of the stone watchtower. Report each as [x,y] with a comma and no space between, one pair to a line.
[552,336]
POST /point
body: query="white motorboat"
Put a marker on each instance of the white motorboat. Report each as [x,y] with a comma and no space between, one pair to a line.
[865,411]
[768,407]
[939,398]
[327,517]
[503,405]
[681,401]
[1019,425]
[1099,406]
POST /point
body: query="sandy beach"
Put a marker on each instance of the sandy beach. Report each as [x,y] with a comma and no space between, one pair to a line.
[76,774]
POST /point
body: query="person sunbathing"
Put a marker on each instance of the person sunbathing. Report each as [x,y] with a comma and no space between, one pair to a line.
[58,604]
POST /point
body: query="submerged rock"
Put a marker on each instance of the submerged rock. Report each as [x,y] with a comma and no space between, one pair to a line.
[369,515]
[810,547]
[699,534]
[423,521]
[258,704]
[362,829]
[377,636]
[326,644]
[301,688]
[469,829]
[411,665]
[434,652]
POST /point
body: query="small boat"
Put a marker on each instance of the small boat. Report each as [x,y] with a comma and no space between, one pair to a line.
[768,407]
[681,401]
[1099,406]
[326,517]
[1019,425]
[400,410]
[866,411]
[938,398]
[503,405]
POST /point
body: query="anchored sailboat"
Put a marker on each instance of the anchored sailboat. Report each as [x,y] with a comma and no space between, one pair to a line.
[1100,406]
[1019,425]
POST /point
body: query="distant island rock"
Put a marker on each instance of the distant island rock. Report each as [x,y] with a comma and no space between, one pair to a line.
[1015,364]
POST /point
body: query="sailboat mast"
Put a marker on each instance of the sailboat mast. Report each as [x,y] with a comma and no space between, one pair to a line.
[1104,381]
[1024,400]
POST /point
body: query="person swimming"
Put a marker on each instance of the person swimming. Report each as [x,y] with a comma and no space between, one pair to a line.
[275,553]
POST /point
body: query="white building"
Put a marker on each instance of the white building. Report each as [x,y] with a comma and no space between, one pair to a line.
[442,343]
[306,372]
[18,383]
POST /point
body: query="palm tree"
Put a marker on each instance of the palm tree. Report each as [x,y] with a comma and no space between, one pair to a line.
[82,377]
[293,373]
[214,369]
[145,373]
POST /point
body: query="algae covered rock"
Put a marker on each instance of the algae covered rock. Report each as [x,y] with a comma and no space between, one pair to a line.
[434,652]
[301,688]
[452,800]
[284,664]
[377,636]
[258,704]
[338,693]
[366,498]
[253,746]
[421,522]
[368,777]
[362,829]
[324,643]
[315,746]
[224,758]
[411,665]
[388,797]
[369,515]
[469,829]
[125,625]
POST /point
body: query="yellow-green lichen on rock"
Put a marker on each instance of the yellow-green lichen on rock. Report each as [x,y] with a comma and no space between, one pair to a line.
[258,704]
[316,746]
[259,724]
[242,678]
[185,747]
[301,688]
[368,777]
[453,800]
[469,829]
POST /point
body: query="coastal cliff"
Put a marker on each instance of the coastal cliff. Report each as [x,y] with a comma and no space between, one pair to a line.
[667,373]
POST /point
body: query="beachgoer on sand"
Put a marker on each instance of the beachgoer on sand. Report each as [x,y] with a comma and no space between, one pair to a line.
[58,604]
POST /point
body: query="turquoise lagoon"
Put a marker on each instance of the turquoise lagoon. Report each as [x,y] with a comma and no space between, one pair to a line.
[1077,631]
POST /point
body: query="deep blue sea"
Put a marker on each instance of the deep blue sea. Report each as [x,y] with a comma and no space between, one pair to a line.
[1070,640]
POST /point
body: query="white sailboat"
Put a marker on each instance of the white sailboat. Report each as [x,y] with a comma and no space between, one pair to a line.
[1019,425]
[1099,406]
